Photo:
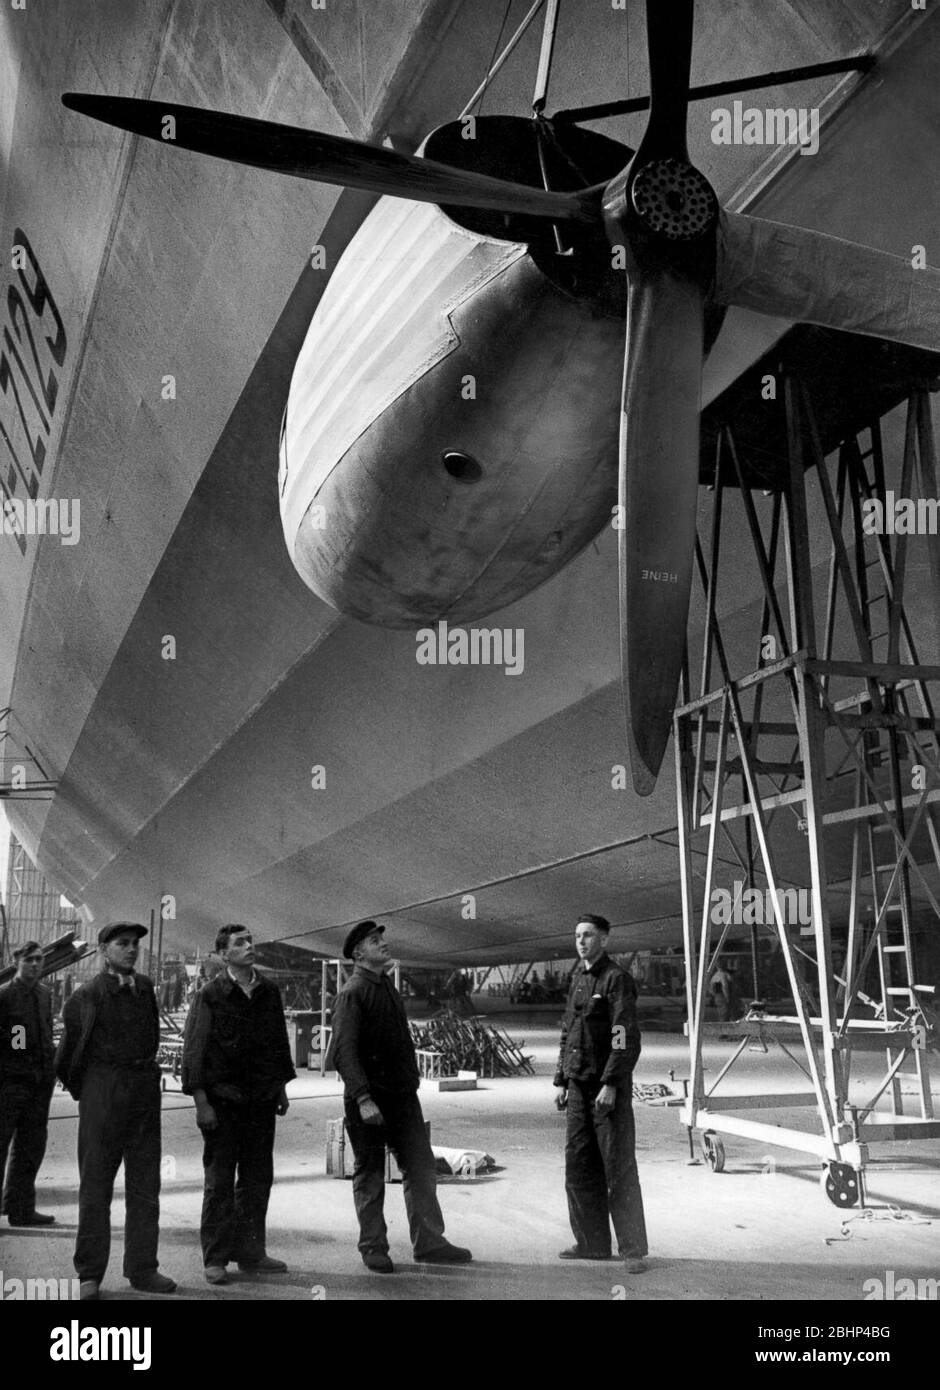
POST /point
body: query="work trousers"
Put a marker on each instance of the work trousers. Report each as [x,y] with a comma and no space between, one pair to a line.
[601,1179]
[238,1161]
[24,1121]
[404,1133]
[118,1122]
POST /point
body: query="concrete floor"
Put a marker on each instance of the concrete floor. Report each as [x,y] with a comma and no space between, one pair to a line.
[763,1229]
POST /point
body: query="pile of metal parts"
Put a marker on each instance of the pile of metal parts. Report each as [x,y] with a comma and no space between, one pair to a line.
[58,954]
[468,1044]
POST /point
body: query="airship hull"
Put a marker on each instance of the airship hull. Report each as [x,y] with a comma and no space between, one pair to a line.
[450,441]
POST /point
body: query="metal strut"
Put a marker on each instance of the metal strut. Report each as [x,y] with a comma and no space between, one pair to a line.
[834,741]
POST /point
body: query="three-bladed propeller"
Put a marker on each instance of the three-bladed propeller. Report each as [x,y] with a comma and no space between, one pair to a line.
[311,154]
[680,250]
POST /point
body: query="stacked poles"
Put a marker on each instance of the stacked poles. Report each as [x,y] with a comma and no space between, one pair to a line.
[467,1044]
[58,955]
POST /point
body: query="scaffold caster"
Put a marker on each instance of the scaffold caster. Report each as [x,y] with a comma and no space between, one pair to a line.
[840,1182]
[714,1151]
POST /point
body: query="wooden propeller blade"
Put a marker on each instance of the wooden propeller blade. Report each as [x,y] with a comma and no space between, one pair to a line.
[799,274]
[669,25]
[658,489]
[311,154]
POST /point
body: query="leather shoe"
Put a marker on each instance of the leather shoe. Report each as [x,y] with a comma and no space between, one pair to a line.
[153,1283]
[379,1262]
[636,1266]
[446,1254]
[215,1274]
[574,1252]
[32,1218]
[266,1265]
[88,1291]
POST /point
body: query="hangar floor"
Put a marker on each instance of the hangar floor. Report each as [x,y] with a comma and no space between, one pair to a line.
[763,1229]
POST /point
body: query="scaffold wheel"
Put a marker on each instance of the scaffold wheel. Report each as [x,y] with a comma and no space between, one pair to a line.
[840,1182]
[714,1151]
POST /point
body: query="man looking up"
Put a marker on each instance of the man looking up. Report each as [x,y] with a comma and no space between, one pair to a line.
[373,1052]
[236,1066]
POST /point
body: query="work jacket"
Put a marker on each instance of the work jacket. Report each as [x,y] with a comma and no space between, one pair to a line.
[27,1008]
[235,1047]
[80,1015]
[600,1038]
[371,1046]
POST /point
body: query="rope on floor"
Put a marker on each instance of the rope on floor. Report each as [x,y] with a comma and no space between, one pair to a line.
[888,1213]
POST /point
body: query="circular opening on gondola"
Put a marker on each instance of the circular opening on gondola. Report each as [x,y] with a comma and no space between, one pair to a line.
[463,468]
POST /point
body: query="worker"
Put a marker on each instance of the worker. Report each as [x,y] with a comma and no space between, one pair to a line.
[107,1060]
[600,1045]
[27,1076]
[236,1066]
[724,995]
[373,1052]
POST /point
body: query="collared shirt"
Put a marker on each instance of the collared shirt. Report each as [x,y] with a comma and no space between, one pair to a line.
[371,1046]
[600,1038]
[125,980]
[248,988]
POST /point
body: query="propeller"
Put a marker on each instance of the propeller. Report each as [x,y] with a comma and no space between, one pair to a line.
[681,250]
[797,273]
[664,212]
[311,154]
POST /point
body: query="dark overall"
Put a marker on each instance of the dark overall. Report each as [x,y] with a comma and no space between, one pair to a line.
[107,1059]
[373,1052]
[600,1045]
[236,1049]
[26,1081]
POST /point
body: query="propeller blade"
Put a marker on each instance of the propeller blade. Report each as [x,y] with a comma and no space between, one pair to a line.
[807,276]
[669,26]
[311,154]
[658,493]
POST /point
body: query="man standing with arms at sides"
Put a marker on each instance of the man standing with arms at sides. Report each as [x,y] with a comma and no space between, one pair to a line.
[236,1066]
[107,1060]
[600,1044]
[27,1076]
[373,1052]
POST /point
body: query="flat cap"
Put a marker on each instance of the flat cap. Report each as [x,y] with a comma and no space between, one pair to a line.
[359,933]
[115,928]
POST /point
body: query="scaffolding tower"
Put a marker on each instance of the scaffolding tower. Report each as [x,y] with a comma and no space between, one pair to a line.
[819,765]
[32,907]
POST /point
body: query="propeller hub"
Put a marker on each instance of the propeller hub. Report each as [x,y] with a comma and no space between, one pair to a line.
[673,200]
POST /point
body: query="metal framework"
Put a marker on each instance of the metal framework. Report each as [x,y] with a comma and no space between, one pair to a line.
[819,767]
[22,776]
[32,905]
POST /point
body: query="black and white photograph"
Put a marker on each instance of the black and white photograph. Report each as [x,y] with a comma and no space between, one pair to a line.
[470,662]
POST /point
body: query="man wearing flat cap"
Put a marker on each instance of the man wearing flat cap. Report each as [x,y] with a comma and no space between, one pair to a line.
[373,1052]
[107,1060]
[27,1077]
